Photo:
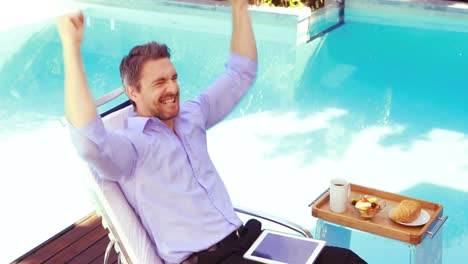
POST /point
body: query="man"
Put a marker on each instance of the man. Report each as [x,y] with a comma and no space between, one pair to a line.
[161,160]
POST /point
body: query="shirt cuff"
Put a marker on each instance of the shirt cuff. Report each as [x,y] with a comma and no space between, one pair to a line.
[237,61]
[94,131]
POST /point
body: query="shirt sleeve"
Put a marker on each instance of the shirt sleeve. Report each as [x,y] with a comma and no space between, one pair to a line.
[112,155]
[220,98]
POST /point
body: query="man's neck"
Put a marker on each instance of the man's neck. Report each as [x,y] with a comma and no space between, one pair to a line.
[169,123]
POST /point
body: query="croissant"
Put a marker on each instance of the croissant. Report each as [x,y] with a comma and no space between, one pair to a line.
[407,211]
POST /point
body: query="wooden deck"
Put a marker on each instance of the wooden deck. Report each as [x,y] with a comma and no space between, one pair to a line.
[81,243]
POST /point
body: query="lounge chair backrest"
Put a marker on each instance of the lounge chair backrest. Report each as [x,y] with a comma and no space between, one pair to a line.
[117,215]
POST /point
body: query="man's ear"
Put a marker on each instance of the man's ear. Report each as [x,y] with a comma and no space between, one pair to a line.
[131,92]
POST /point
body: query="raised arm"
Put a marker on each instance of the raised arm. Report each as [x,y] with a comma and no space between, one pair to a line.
[111,154]
[80,108]
[218,100]
[242,40]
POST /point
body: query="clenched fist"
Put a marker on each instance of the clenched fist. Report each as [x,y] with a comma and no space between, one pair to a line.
[71,29]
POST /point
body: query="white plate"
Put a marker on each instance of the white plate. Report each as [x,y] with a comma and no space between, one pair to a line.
[421,220]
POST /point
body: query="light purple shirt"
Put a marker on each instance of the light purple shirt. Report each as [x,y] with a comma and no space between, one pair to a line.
[168,177]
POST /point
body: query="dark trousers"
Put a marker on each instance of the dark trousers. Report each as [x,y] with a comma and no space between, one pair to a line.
[232,249]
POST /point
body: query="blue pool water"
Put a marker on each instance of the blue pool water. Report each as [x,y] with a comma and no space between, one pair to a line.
[384,104]
[391,74]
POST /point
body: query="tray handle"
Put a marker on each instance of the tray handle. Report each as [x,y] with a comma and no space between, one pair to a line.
[318,197]
[441,222]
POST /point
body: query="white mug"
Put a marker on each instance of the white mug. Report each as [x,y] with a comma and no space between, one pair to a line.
[339,194]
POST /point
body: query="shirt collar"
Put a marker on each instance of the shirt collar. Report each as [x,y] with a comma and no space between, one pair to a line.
[139,123]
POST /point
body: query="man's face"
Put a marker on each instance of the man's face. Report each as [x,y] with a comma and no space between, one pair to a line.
[159,91]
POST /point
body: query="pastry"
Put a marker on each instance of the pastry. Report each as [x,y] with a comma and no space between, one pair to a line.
[407,211]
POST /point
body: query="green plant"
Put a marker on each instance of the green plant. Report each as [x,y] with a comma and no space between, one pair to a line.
[312,4]
[295,3]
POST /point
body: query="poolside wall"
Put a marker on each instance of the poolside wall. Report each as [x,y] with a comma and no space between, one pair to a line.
[279,31]
[278,24]
[428,14]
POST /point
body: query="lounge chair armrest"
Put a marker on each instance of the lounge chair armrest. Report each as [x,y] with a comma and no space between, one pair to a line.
[277,220]
[109,96]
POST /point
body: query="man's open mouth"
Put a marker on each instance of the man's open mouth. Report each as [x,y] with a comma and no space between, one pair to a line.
[169,100]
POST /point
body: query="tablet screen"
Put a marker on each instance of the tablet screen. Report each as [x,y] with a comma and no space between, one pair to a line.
[284,248]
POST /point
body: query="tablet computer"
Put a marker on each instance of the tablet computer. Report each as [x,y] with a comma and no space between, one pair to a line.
[283,248]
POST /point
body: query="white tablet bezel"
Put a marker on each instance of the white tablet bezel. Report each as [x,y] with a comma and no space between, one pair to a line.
[310,260]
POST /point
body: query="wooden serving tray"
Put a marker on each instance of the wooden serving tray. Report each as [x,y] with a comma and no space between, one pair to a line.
[381,224]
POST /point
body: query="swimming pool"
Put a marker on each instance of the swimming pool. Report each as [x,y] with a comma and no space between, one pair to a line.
[381,100]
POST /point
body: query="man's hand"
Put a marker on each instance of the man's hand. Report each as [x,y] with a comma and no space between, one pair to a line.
[239,3]
[71,29]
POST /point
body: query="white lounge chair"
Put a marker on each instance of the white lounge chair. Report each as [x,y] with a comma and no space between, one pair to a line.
[127,234]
